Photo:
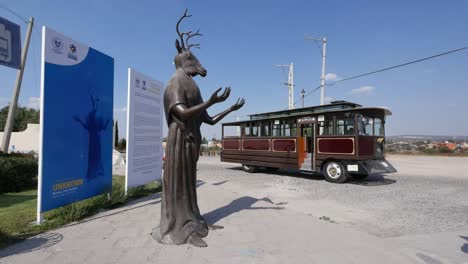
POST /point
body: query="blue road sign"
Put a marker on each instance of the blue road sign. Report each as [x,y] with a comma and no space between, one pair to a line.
[10,44]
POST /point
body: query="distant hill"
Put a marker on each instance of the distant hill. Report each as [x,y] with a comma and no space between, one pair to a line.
[428,137]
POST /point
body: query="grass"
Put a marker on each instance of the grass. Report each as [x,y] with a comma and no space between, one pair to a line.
[18,210]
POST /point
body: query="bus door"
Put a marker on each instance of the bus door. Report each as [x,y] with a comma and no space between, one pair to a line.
[307,134]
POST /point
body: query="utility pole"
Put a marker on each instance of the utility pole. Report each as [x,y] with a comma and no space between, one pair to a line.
[14,99]
[303,95]
[290,84]
[324,56]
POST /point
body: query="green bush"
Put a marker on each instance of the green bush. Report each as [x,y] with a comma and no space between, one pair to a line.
[444,150]
[18,172]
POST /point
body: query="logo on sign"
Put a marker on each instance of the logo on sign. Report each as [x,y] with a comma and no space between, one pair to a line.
[72,52]
[57,45]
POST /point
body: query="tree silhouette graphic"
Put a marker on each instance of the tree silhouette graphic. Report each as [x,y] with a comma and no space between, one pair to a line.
[94,124]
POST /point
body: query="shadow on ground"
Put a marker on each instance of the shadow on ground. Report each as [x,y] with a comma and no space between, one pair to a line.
[239,204]
[428,259]
[464,248]
[38,242]
[373,180]
[219,183]
[9,199]
[289,173]
[156,197]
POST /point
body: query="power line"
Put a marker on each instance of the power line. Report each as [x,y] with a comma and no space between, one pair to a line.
[385,69]
[2,5]
[399,65]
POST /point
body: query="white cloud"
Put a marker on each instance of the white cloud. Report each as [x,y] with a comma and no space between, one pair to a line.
[34,102]
[122,109]
[328,99]
[332,77]
[452,105]
[364,90]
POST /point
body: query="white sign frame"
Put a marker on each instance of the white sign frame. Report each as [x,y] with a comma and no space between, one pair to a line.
[144,130]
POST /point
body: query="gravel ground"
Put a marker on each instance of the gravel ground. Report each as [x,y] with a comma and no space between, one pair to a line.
[426,195]
[418,215]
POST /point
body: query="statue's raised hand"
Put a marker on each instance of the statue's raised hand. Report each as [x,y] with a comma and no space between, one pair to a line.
[238,104]
[215,98]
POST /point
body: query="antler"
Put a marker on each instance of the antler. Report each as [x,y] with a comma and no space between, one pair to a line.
[193,35]
[181,36]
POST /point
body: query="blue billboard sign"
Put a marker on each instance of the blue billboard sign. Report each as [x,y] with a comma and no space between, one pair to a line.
[10,44]
[75,160]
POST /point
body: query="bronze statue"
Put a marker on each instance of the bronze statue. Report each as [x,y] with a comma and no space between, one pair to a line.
[181,221]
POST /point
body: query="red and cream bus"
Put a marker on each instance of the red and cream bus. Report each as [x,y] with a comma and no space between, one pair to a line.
[340,140]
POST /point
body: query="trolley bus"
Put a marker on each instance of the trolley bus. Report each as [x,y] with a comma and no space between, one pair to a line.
[340,140]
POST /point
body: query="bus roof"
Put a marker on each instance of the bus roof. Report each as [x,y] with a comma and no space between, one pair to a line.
[333,107]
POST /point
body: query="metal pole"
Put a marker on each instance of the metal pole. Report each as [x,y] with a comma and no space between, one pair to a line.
[14,99]
[291,86]
[303,95]
[322,81]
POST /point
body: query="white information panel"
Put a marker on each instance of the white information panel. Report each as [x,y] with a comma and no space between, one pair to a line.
[144,129]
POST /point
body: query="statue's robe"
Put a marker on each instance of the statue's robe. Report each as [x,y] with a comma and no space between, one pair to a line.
[180,215]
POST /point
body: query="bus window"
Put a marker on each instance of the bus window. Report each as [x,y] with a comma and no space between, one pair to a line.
[276,129]
[232,131]
[254,130]
[378,127]
[349,126]
[292,129]
[265,129]
[340,127]
[286,130]
[246,130]
[326,127]
[366,126]
[289,130]
[370,127]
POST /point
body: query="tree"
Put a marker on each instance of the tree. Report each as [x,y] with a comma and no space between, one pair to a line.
[444,150]
[204,141]
[419,143]
[116,139]
[23,116]
[122,145]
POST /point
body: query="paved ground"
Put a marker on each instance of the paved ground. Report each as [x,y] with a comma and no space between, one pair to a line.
[418,215]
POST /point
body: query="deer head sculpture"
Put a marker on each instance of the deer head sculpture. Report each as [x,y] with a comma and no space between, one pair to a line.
[185,59]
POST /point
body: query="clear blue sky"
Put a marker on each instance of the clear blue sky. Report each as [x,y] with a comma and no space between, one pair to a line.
[244,39]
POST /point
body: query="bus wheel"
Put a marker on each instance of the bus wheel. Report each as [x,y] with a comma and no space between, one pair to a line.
[335,172]
[248,168]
